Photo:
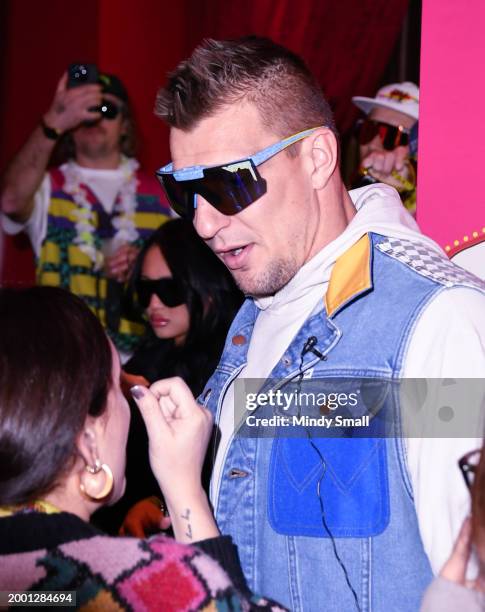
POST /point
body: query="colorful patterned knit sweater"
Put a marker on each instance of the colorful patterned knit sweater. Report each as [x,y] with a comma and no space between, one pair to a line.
[61,552]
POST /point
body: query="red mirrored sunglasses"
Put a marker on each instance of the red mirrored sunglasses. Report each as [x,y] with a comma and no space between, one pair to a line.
[391,136]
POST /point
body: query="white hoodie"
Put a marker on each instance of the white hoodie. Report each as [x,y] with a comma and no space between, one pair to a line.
[448,341]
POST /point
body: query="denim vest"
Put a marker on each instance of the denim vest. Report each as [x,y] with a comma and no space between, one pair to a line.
[268,498]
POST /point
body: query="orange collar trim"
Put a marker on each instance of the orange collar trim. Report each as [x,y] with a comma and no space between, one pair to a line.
[351,276]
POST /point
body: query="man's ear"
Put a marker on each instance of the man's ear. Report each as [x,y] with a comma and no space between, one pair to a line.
[324,155]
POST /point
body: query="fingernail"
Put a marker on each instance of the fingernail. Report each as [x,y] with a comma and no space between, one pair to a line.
[137,392]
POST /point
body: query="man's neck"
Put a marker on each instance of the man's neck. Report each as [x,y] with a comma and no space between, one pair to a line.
[337,212]
[108,162]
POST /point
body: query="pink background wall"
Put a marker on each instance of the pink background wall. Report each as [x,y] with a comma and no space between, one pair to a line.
[451,194]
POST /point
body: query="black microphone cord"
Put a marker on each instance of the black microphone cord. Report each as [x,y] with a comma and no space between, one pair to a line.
[309,347]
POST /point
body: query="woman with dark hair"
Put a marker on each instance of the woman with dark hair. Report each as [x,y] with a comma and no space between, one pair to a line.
[63,429]
[452,590]
[190,300]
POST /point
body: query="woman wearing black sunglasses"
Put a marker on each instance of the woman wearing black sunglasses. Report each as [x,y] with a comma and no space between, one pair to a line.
[452,590]
[190,301]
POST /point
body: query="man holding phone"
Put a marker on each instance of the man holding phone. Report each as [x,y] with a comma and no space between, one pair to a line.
[88,217]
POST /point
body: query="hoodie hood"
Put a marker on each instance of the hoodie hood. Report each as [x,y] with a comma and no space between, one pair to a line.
[379,210]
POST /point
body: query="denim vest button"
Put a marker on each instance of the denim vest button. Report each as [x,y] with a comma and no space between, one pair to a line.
[239,339]
[235,473]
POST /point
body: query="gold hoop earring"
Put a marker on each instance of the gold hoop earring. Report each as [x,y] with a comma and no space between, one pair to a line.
[90,477]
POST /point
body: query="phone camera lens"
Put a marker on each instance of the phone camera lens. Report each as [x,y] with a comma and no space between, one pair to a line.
[81,73]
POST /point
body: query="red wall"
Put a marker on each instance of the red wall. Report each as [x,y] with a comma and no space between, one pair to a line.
[36,50]
[346,43]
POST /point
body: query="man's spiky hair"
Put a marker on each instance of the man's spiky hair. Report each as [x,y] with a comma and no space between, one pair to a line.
[251,69]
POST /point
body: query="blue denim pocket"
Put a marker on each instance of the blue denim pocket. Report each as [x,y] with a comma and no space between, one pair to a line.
[354,490]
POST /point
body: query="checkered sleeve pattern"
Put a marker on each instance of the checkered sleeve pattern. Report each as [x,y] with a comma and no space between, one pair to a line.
[429,263]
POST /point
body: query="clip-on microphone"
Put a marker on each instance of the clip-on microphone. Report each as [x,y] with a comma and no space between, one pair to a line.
[309,347]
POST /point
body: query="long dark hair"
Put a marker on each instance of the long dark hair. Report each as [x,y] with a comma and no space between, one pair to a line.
[55,369]
[212,297]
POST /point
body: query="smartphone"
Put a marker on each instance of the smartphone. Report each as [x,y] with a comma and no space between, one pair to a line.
[81,74]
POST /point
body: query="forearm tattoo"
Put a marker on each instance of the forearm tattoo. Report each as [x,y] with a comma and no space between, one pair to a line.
[186,517]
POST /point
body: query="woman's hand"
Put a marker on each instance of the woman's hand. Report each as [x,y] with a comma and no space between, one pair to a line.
[178,432]
[455,568]
[127,381]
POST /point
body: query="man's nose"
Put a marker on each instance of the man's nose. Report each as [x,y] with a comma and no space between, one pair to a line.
[208,221]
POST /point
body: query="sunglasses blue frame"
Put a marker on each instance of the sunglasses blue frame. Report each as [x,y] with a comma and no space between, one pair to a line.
[230,202]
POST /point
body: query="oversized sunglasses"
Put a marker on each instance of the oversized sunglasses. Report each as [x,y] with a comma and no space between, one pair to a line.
[168,290]
[109,110]
[391,136]
[229,188]
[468,466]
